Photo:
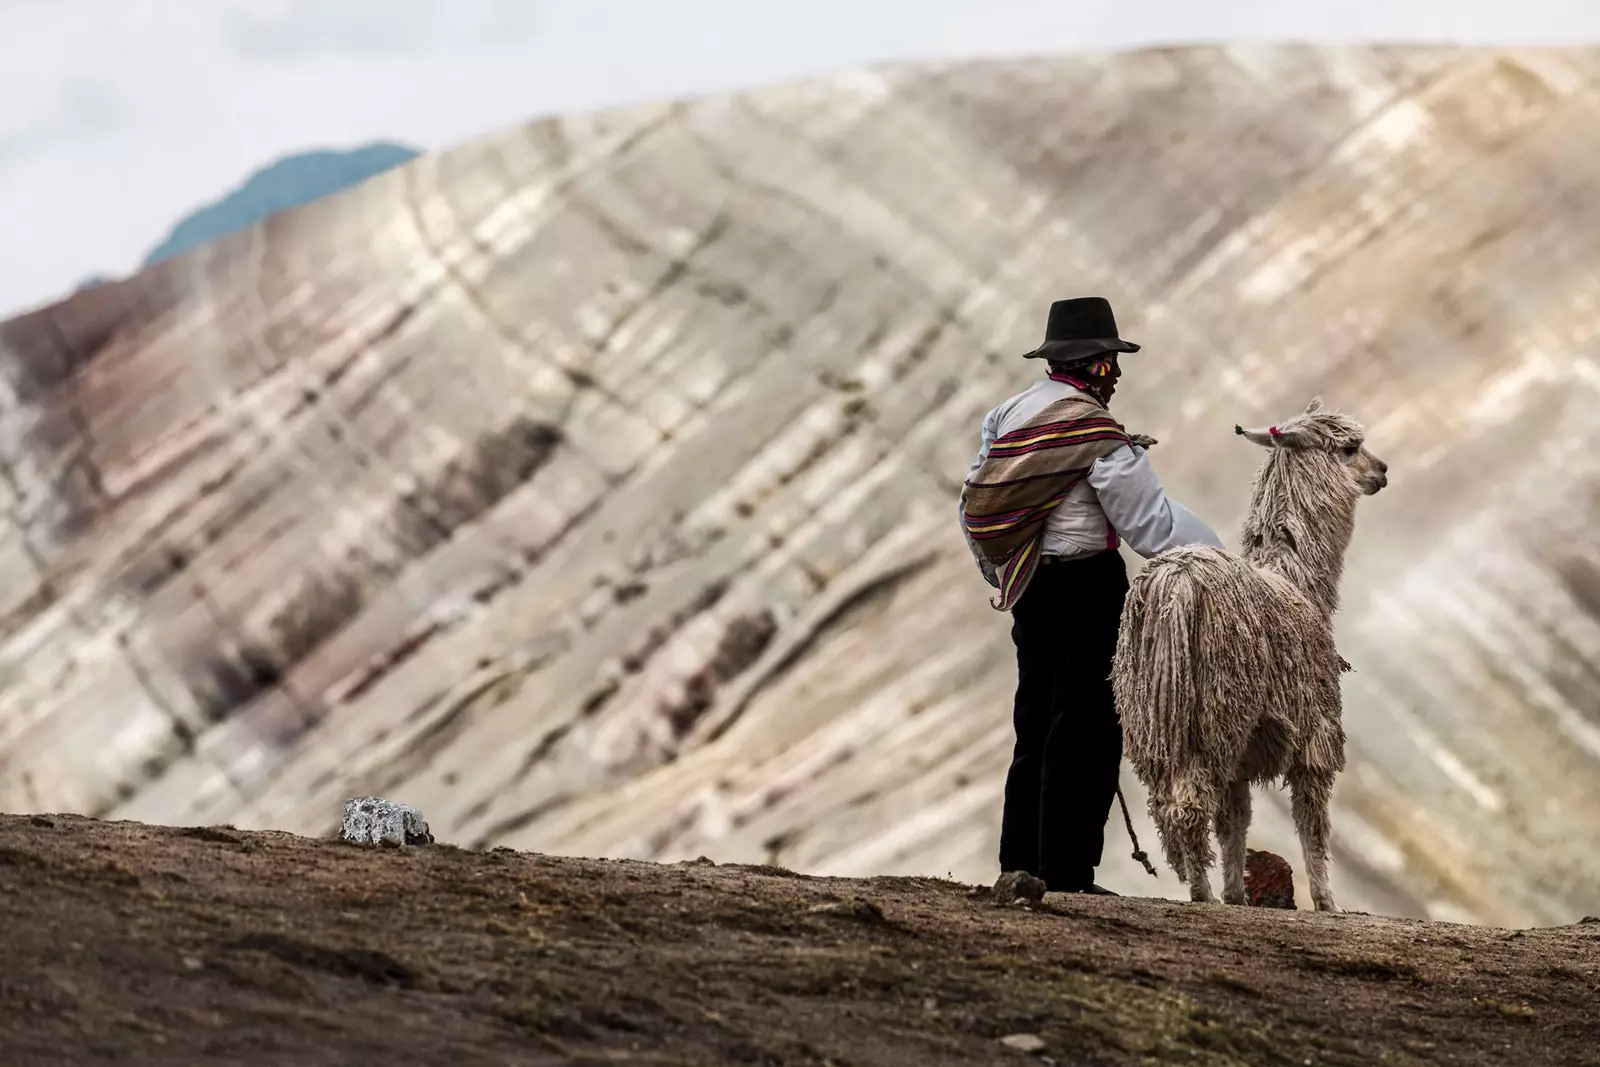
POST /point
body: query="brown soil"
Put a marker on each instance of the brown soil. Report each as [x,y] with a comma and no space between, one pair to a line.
[137,944]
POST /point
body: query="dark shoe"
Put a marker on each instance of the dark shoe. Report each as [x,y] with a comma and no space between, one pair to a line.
[1079,881]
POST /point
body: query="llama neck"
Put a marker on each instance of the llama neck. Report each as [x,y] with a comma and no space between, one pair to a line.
[1302,513]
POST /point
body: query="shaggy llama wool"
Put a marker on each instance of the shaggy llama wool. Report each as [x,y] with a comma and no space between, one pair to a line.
[1225,672]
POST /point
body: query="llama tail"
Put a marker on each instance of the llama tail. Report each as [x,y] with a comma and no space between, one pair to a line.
[1153,672]
[1153,677]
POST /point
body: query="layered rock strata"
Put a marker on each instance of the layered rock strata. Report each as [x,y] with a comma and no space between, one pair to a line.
[591,486]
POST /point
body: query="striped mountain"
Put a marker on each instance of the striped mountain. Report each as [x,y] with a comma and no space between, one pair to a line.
[591,486]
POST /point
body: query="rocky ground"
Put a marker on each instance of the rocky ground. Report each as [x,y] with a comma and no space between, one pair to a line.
[139,944]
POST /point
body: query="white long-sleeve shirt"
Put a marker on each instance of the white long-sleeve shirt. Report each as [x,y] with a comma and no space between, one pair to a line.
[1121,492]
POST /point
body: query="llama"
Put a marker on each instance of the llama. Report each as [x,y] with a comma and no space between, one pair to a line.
[1225,672]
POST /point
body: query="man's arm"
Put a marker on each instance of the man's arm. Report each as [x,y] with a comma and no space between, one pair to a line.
[988,434]
[1139,508]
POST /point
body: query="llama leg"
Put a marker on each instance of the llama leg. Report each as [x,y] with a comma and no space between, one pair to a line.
[1188,818]
[1197,858]
[1166,836]
[1233,819]
[1313,793]
[1183,828]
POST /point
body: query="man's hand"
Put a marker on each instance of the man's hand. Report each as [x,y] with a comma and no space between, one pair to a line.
[1143,440]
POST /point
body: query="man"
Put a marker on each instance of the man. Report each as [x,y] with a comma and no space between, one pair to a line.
[1057,485]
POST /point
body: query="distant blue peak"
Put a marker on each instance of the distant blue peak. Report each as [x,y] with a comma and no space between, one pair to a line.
[290,182]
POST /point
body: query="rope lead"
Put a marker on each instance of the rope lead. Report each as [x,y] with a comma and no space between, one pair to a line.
[1138,853]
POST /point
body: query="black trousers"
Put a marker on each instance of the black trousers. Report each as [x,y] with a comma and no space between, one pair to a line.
[1064,769]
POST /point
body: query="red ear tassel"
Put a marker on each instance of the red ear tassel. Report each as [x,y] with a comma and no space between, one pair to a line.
[1273,430]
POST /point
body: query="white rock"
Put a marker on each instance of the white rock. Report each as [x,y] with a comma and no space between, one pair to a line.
[376,821]
[1024,1042]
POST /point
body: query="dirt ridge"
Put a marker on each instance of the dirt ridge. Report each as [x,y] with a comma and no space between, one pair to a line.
[159,945]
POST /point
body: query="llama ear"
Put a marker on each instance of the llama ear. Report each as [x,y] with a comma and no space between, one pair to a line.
[1315,405]
[1260,437]
[1273,437]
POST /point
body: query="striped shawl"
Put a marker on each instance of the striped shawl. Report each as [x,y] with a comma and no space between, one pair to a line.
[1026,473]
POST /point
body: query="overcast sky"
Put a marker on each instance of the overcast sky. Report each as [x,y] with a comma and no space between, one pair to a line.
[117,117]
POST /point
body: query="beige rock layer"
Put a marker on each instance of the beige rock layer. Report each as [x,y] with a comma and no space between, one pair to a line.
[590,486]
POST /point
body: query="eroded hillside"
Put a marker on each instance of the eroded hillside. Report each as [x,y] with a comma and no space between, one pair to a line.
[591,485]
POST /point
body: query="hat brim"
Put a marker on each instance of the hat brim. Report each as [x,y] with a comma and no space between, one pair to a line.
[1080,348]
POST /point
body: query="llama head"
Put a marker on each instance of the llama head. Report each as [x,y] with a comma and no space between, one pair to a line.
[1317,432]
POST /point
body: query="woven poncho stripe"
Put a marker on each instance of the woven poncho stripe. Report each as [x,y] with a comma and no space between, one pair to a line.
[1026,473]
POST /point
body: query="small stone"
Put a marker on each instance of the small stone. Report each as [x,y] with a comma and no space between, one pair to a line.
[40,820]
[376,821]
[929,1004]
[1018,885]
[192,963]
[1024,1042]
[218,834]
[862,910]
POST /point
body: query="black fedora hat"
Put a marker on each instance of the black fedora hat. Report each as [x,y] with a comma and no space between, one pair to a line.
[1079,329]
